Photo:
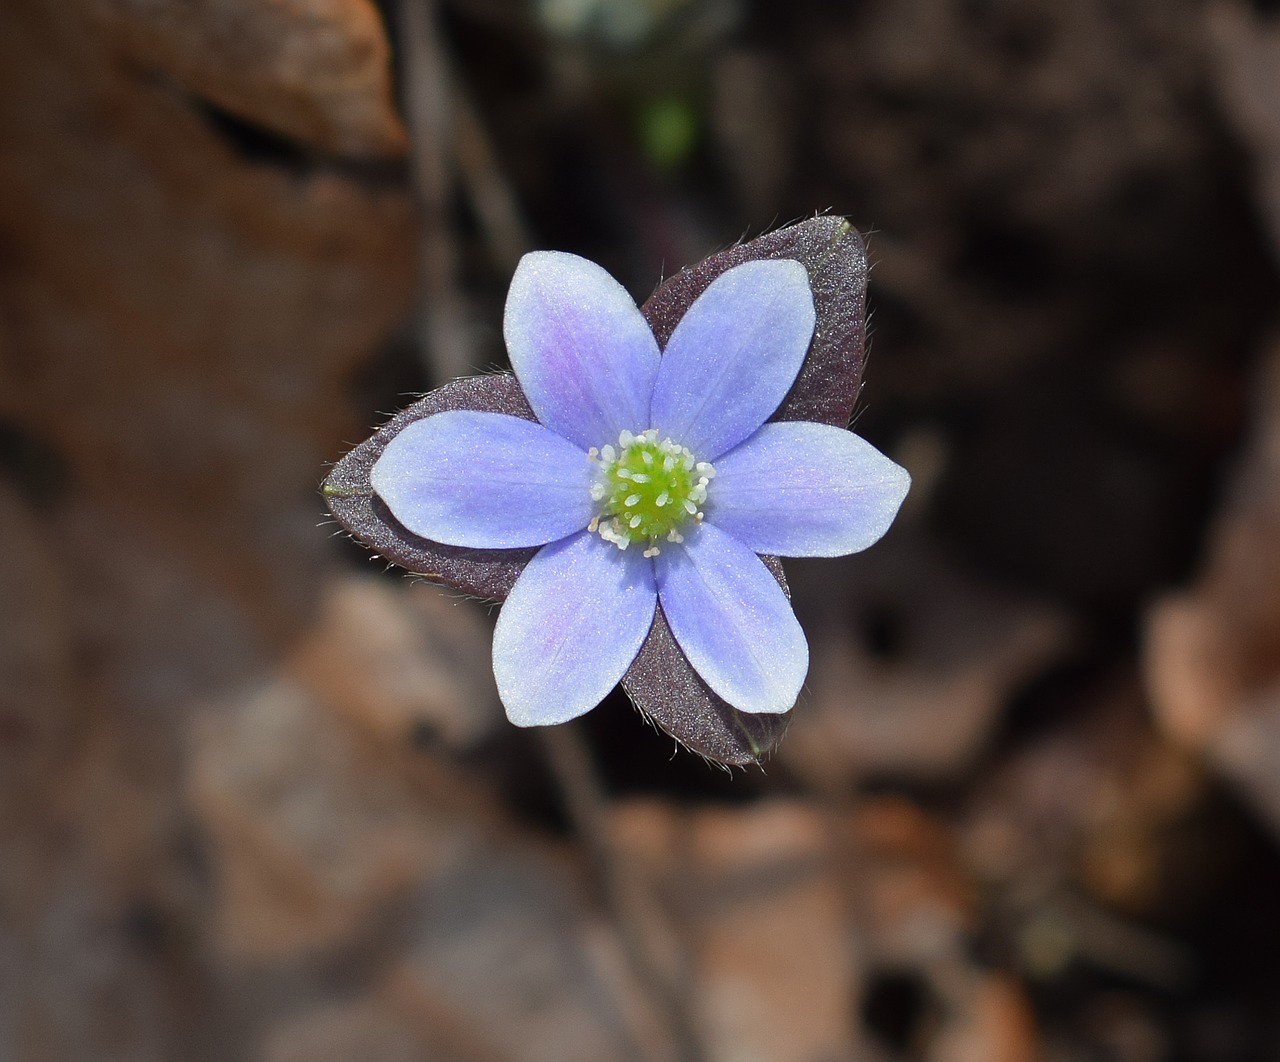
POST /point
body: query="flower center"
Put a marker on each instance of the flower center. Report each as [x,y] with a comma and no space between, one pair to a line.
[647,489]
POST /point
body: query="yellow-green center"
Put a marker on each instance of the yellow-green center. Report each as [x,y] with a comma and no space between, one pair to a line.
[646,490]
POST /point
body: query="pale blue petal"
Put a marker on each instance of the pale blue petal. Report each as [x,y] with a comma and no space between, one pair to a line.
[570,628]
[798,489]
[485,480]
[583,354]
[734,356]
[733,621]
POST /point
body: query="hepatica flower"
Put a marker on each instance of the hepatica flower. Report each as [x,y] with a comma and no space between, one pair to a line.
[649,477]
[629,490]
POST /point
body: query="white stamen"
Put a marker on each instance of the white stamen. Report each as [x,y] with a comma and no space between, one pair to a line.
[661,499]
[625,438]
[631,500]
[652,551]
[689,507]
[634,522]
[611,533]
[593,453]
[640,477]
[608,453]
[594,526]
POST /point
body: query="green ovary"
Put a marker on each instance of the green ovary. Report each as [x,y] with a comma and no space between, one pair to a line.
[647,490]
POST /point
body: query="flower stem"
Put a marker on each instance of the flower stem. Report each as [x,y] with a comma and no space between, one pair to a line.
[630,904]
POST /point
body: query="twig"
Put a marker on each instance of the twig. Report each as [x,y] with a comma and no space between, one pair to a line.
[629,903]
[490,194]
[444,338]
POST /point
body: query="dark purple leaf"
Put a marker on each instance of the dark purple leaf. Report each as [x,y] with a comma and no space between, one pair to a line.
[836,258]
[663,685]
[489,573]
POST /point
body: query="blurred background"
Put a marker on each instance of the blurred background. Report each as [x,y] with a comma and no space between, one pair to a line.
[257,797]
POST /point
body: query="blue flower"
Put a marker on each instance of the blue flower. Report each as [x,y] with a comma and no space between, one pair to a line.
[650,477]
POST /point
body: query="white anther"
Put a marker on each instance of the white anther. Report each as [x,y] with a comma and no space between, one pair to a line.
[652,551]
[594,526]
[689,507]
[625,438]
[593,453]
[611,532]
[640,477]
[662,499]
[646,457]
[608,453]
[634,522]
[597,492]
[631,500]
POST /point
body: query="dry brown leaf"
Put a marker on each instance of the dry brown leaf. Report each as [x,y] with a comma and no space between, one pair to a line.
[178,321]
[1212,656]
[912,663]
[316,71]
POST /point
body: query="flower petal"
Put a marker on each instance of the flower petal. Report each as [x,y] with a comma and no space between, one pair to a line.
[584,355]
[570,628]
[484,479]
[733,356]
[833,253]
[806,490]
[733,621]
